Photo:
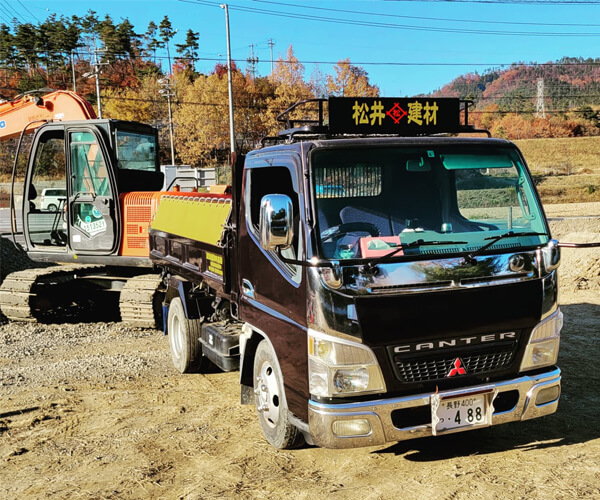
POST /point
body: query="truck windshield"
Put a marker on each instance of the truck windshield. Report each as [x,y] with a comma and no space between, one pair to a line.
[371,200]
[136,151]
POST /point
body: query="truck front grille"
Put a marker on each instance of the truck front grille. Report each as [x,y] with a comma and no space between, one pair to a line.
[438,367]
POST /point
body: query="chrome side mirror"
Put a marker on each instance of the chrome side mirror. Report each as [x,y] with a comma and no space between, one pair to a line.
[551,255]
[275,224]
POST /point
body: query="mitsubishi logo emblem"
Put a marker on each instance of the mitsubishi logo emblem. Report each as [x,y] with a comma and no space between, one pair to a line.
[458,368]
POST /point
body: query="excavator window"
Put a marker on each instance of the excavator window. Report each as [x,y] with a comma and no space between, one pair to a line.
[136,151]
[88,167]
[47,192]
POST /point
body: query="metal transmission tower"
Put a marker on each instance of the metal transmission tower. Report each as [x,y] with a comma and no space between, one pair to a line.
[252,61]
[540,111]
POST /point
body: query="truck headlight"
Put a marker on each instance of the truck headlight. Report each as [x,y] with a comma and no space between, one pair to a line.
[339,367]
[542,349]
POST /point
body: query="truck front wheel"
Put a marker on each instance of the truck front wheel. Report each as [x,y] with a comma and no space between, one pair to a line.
[270,400]
[184,341]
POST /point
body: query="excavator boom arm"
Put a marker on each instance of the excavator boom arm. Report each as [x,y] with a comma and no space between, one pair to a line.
[58,105]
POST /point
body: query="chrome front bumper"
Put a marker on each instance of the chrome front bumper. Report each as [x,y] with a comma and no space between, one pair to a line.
[378,413]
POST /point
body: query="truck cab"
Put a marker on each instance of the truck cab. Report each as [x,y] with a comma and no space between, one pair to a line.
[386,286]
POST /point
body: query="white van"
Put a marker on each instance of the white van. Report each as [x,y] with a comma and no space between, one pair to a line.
[52,199]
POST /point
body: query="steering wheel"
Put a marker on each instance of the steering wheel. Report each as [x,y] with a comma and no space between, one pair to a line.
[336,232]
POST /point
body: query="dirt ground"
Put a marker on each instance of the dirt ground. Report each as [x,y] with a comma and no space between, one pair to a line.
[96,411]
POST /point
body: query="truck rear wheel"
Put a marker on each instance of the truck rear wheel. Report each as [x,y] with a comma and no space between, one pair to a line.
[270,400]
[184,341]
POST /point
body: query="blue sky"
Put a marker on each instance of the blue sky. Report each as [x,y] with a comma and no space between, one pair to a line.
[423,45]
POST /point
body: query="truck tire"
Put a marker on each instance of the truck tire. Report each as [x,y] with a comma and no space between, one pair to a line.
[184,341]
[270,400]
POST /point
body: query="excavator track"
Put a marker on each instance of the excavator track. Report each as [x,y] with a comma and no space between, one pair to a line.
[35,294]
[65,293]
[141,301]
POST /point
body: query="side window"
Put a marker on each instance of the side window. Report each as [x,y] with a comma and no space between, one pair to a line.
[47,193]
[88,167]
[275,180]
[49,175]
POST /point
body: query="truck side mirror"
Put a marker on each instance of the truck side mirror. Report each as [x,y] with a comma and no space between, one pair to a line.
[275,224]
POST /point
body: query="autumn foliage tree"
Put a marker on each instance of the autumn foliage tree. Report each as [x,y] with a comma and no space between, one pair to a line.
[201,115]
[350,80]
[290,87]
[33,56]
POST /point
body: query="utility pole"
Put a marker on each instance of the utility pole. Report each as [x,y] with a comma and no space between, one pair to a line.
[169,54]
[166,91]
[540,111]
[73,69]
[96,73]
[229,80]
[270,43]
[253,61]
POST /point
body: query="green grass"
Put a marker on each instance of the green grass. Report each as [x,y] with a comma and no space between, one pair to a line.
[561,156]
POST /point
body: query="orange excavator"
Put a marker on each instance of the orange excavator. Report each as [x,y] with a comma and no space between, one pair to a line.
[90,190]
[32,108]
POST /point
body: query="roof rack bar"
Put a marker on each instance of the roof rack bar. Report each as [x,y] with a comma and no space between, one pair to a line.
[284,117]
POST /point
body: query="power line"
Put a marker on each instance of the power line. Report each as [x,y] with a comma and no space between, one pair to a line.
[423,18]
[265,108]
[490,65]
[544,3]
[30,13]
[408,27]
[8,22]
[17,15]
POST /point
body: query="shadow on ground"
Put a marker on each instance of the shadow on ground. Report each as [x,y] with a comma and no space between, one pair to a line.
[575,421]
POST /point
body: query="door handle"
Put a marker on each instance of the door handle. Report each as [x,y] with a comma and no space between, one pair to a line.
[247,289]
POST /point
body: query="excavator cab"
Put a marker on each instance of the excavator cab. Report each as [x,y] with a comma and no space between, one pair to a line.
[92,163]
[89,191]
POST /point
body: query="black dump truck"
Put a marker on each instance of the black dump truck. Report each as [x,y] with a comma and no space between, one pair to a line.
[377,273]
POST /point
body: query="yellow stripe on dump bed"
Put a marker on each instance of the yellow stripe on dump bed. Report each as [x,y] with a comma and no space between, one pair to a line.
[199,219]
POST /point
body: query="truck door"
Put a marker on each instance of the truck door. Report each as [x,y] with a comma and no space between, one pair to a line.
[91,199]
[272,292]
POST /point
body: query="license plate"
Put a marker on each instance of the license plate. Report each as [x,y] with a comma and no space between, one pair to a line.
[455,413]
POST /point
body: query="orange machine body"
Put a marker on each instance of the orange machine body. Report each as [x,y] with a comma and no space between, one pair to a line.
[138,209]
[59,105]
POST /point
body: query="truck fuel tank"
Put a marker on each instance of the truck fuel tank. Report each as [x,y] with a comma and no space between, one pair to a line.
[221,344]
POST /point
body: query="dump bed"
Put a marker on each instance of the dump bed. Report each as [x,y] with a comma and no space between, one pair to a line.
[187,237]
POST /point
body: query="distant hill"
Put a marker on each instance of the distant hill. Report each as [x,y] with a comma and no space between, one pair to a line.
[569,83]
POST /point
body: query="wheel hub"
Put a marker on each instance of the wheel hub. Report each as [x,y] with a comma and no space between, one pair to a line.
[176,337]
[267,394]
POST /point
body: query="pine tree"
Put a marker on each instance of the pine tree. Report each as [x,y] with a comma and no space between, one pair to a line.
[128,39]
[7,49]
[152,42]
[26,42]
[189,49]
[108,34]
[166,33]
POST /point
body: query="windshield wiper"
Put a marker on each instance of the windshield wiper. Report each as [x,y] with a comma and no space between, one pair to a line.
[470,257]
[403,246]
